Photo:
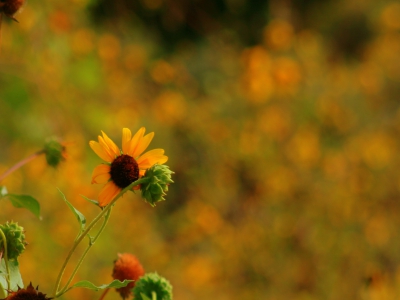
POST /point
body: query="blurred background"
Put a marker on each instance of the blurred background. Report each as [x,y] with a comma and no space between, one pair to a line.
[281,120]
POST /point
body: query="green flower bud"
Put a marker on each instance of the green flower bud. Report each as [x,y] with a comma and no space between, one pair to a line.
[152,283]
[15,239]
[55,152]
[154,183]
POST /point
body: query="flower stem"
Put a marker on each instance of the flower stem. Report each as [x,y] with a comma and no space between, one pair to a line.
[88,229]
[103,295]
[3,237]
[91,243]
[21,163]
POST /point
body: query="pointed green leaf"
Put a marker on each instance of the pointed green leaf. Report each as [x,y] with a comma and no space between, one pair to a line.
[15,275]
[25,201]
[79,216]
[91,200]
[88,285]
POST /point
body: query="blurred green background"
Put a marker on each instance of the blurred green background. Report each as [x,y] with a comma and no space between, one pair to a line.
[281,120]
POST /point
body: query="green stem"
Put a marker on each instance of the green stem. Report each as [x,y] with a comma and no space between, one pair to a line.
[3,237]
[91,243]
[88,228]
[20,163]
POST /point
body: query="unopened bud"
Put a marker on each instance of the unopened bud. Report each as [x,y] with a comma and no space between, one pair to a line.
[152,283]
[15,238]
[154,183]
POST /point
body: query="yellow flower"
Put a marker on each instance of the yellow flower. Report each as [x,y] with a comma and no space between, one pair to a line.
[126,166]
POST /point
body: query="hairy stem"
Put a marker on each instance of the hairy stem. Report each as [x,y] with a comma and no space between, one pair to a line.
[22,162]
[103,295]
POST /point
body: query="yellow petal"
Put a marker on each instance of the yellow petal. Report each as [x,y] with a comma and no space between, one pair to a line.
[135,140]
[107,149]
[151,157]
[107,194]
[111,145]
[150,161]
[126,137]
[101,174]
[154,152]
[100,151]
[143,144]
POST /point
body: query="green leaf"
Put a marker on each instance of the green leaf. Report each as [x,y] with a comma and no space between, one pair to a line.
[3,191]
[88,285]
[3,293]
[25,201]
[79,216]
[15,275]
[91,200]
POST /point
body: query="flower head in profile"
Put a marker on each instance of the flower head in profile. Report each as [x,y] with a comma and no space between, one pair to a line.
[55,152]
[11,7]
[152,286]
[127,266]
[30,293]
[15,237]
[124,166]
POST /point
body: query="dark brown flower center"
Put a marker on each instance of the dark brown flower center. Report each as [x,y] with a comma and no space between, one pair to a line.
[124,170]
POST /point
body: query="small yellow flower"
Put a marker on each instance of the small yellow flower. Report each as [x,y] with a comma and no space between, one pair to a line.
[126,166]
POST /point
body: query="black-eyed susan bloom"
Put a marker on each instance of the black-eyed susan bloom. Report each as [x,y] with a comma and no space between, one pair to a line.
[126,166]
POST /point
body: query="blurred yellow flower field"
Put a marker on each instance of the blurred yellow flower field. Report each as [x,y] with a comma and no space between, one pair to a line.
[280,121]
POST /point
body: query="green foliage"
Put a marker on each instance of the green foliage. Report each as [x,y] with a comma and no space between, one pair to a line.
[114,284]
[155,183]
[15,277]
[25,201]
[21,201]
[15,239]
[152,283]
[79,216]
[95,202]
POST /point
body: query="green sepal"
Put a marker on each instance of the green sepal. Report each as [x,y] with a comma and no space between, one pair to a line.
[79,216]
[153,294]
[154,183]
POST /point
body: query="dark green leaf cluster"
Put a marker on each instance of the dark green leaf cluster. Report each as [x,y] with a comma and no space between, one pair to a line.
[152,283]
[155,183]
[54,152]
[15,239]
